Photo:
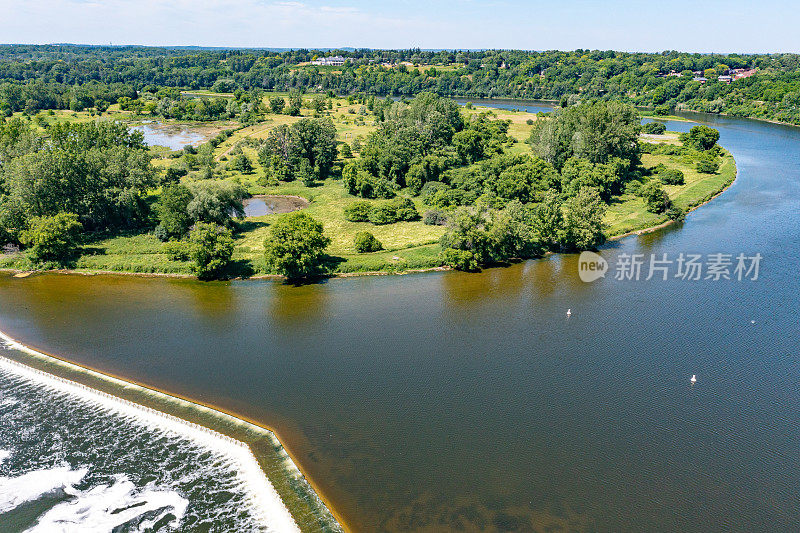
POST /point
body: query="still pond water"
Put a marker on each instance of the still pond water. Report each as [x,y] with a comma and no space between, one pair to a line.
[451,401]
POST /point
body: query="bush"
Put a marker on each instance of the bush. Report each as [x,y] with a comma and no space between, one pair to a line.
[276,104]
[430,189]
[671,176]
[242,164]
[366,242]
[435,217]
[675,213]
[460,260]
[655,197]
[358,211]
[707,165]
[662,110]
[654,128]
[211,250]
[405,209]
[296,246]
[52,238]
[383,213]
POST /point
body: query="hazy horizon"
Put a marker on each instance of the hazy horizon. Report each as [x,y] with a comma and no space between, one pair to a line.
[708,27]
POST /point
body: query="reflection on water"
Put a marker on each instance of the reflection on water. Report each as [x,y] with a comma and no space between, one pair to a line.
[451,401]
[173,137]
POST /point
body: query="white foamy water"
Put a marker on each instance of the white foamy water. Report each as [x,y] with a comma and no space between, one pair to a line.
[14,491]
[106,507]
[96,508]
[4,454]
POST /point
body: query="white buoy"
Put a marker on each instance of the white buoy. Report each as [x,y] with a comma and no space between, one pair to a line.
[569,312]
[694,379]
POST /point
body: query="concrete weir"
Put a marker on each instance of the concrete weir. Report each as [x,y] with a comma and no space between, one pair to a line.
[281,495]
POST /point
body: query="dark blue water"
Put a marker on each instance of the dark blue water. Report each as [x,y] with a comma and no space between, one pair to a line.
[452,401]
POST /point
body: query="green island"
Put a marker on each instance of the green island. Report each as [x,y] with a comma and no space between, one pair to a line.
[422,184]
[302,185]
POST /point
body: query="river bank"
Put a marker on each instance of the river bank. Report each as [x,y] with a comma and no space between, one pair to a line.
[288,499]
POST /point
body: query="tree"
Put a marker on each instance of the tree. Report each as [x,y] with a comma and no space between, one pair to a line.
[216,202]
[655,197]
[52,238]
[315,141]
[211,250]
[366,242]
[583,220]
[305,173]
[296,246]
[701,137]
[99,171]
[172,210]
[242,164]
[596,131]
[345,151]
[547,221]
[276,104]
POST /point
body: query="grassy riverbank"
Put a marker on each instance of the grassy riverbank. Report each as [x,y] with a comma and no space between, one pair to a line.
[408,246]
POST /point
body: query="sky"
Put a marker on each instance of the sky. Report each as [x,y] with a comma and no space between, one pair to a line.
[624,25]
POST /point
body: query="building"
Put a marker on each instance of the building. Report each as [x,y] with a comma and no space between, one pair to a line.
[333,61]
[725,79]
[739,73]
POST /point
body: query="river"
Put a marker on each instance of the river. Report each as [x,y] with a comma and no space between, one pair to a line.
[453,401]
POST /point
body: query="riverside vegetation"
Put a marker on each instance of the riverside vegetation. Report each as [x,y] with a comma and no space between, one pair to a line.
[393,186]
[148,80]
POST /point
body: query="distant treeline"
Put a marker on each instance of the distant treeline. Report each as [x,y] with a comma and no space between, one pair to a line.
[33,78]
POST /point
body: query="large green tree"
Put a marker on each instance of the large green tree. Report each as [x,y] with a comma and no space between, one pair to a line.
[296,246]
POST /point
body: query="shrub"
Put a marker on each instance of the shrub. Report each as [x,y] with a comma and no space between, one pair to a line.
[405,209]
[211,250]
[52,238]
[430,189]
[460,260]
[675,213]
[358,211]
[633,187]
[383,213]
[435,217]
[654,128]
[671,176]
[366,242]
[242,164]
[707,165]
[276,104]
[655,197]
[296,246]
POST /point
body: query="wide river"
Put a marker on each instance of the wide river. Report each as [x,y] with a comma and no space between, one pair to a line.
[452,401]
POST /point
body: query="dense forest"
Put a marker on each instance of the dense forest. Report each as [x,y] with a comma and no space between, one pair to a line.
[148,80]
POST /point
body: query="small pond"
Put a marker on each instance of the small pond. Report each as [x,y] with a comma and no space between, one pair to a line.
[261,205]
[174,137]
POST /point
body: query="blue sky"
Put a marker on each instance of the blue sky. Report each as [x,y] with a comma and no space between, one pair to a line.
[698,26]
